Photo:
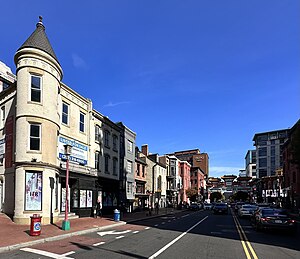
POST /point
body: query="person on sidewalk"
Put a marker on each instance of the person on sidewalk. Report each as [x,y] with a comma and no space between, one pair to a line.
[98,209]
[156,208]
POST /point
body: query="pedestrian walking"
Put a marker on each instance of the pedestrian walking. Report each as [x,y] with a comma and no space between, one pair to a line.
[98,209]
[156,207]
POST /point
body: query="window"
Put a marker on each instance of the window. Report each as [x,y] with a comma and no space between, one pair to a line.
[129,167]
[106,138]
[3,115]
[262,151]
[97,160]
[115,163]
[129,146]
[5,85]
[115,142]
[106,161]
[35,137]
[35,89]
[138,170]
[97,133]
[262,162]
[159,182]
[33,190]
[81,122]
[65,113]
[143,171]
[129,187]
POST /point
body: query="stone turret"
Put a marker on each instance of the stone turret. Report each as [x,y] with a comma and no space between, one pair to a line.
[39,76]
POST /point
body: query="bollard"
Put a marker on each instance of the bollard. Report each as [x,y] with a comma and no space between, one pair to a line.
[116,215]
[35,225]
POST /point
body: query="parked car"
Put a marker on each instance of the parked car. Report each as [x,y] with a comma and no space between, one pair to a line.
[194,206]
[247,210]
[207,206]
[237,206]
[220,208]
[270,218]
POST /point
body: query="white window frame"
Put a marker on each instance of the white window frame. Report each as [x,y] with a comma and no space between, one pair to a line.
[97,133]
[82,123]
[129,167]
[129,146]
[39,137]
[40,88]
[66,114]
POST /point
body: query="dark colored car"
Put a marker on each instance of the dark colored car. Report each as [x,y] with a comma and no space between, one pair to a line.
[194,206]
[237,206]
[270,218]
[220,208]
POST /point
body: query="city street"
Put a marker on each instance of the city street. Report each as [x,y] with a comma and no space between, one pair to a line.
[187,234]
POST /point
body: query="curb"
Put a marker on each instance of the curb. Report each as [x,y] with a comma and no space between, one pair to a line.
[58,237]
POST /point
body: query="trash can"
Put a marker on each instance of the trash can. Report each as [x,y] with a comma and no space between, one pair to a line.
[35,225]
[116,215]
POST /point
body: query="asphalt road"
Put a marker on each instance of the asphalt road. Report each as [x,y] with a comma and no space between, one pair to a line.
[186,235]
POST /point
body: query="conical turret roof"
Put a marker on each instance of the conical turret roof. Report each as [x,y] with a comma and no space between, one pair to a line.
[39,40]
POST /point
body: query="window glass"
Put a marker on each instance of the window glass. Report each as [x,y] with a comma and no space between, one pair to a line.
[129,146]
[115,162]
[65,113]
[106,138]
[34,137]
[97,160]
[35,89]
[81,122]
[115,142]
[129,166]
[106,163]
[97,133]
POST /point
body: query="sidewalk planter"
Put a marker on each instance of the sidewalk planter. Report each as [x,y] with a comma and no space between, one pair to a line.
[116,215]
[35,225]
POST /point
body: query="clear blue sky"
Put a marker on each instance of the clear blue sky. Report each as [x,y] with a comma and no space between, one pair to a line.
[181,74]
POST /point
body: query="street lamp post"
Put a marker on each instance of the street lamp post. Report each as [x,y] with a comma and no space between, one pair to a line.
[66,222]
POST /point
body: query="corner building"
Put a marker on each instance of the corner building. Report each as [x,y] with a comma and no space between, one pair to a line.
[39,115]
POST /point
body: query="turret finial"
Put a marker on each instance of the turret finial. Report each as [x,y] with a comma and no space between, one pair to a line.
[40,23]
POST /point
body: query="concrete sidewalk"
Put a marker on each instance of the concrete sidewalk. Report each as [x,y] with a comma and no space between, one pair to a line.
[13,236]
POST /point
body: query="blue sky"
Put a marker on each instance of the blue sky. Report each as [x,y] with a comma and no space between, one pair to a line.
[181,74]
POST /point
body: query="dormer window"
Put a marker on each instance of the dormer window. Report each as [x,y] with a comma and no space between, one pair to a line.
[36,89]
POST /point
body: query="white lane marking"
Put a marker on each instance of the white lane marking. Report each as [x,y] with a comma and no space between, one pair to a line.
[113,232]
[45,253]
[119,237]
[156,225]
[163,223]
[147,228]
[185,215]
[134,232]
[69,253]
[169,220]
[176,239]
[98,244]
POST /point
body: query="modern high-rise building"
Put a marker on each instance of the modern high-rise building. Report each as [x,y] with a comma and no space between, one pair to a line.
[269,151]
[250,163]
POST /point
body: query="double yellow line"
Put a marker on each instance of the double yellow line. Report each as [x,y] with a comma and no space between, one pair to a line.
[249,251]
